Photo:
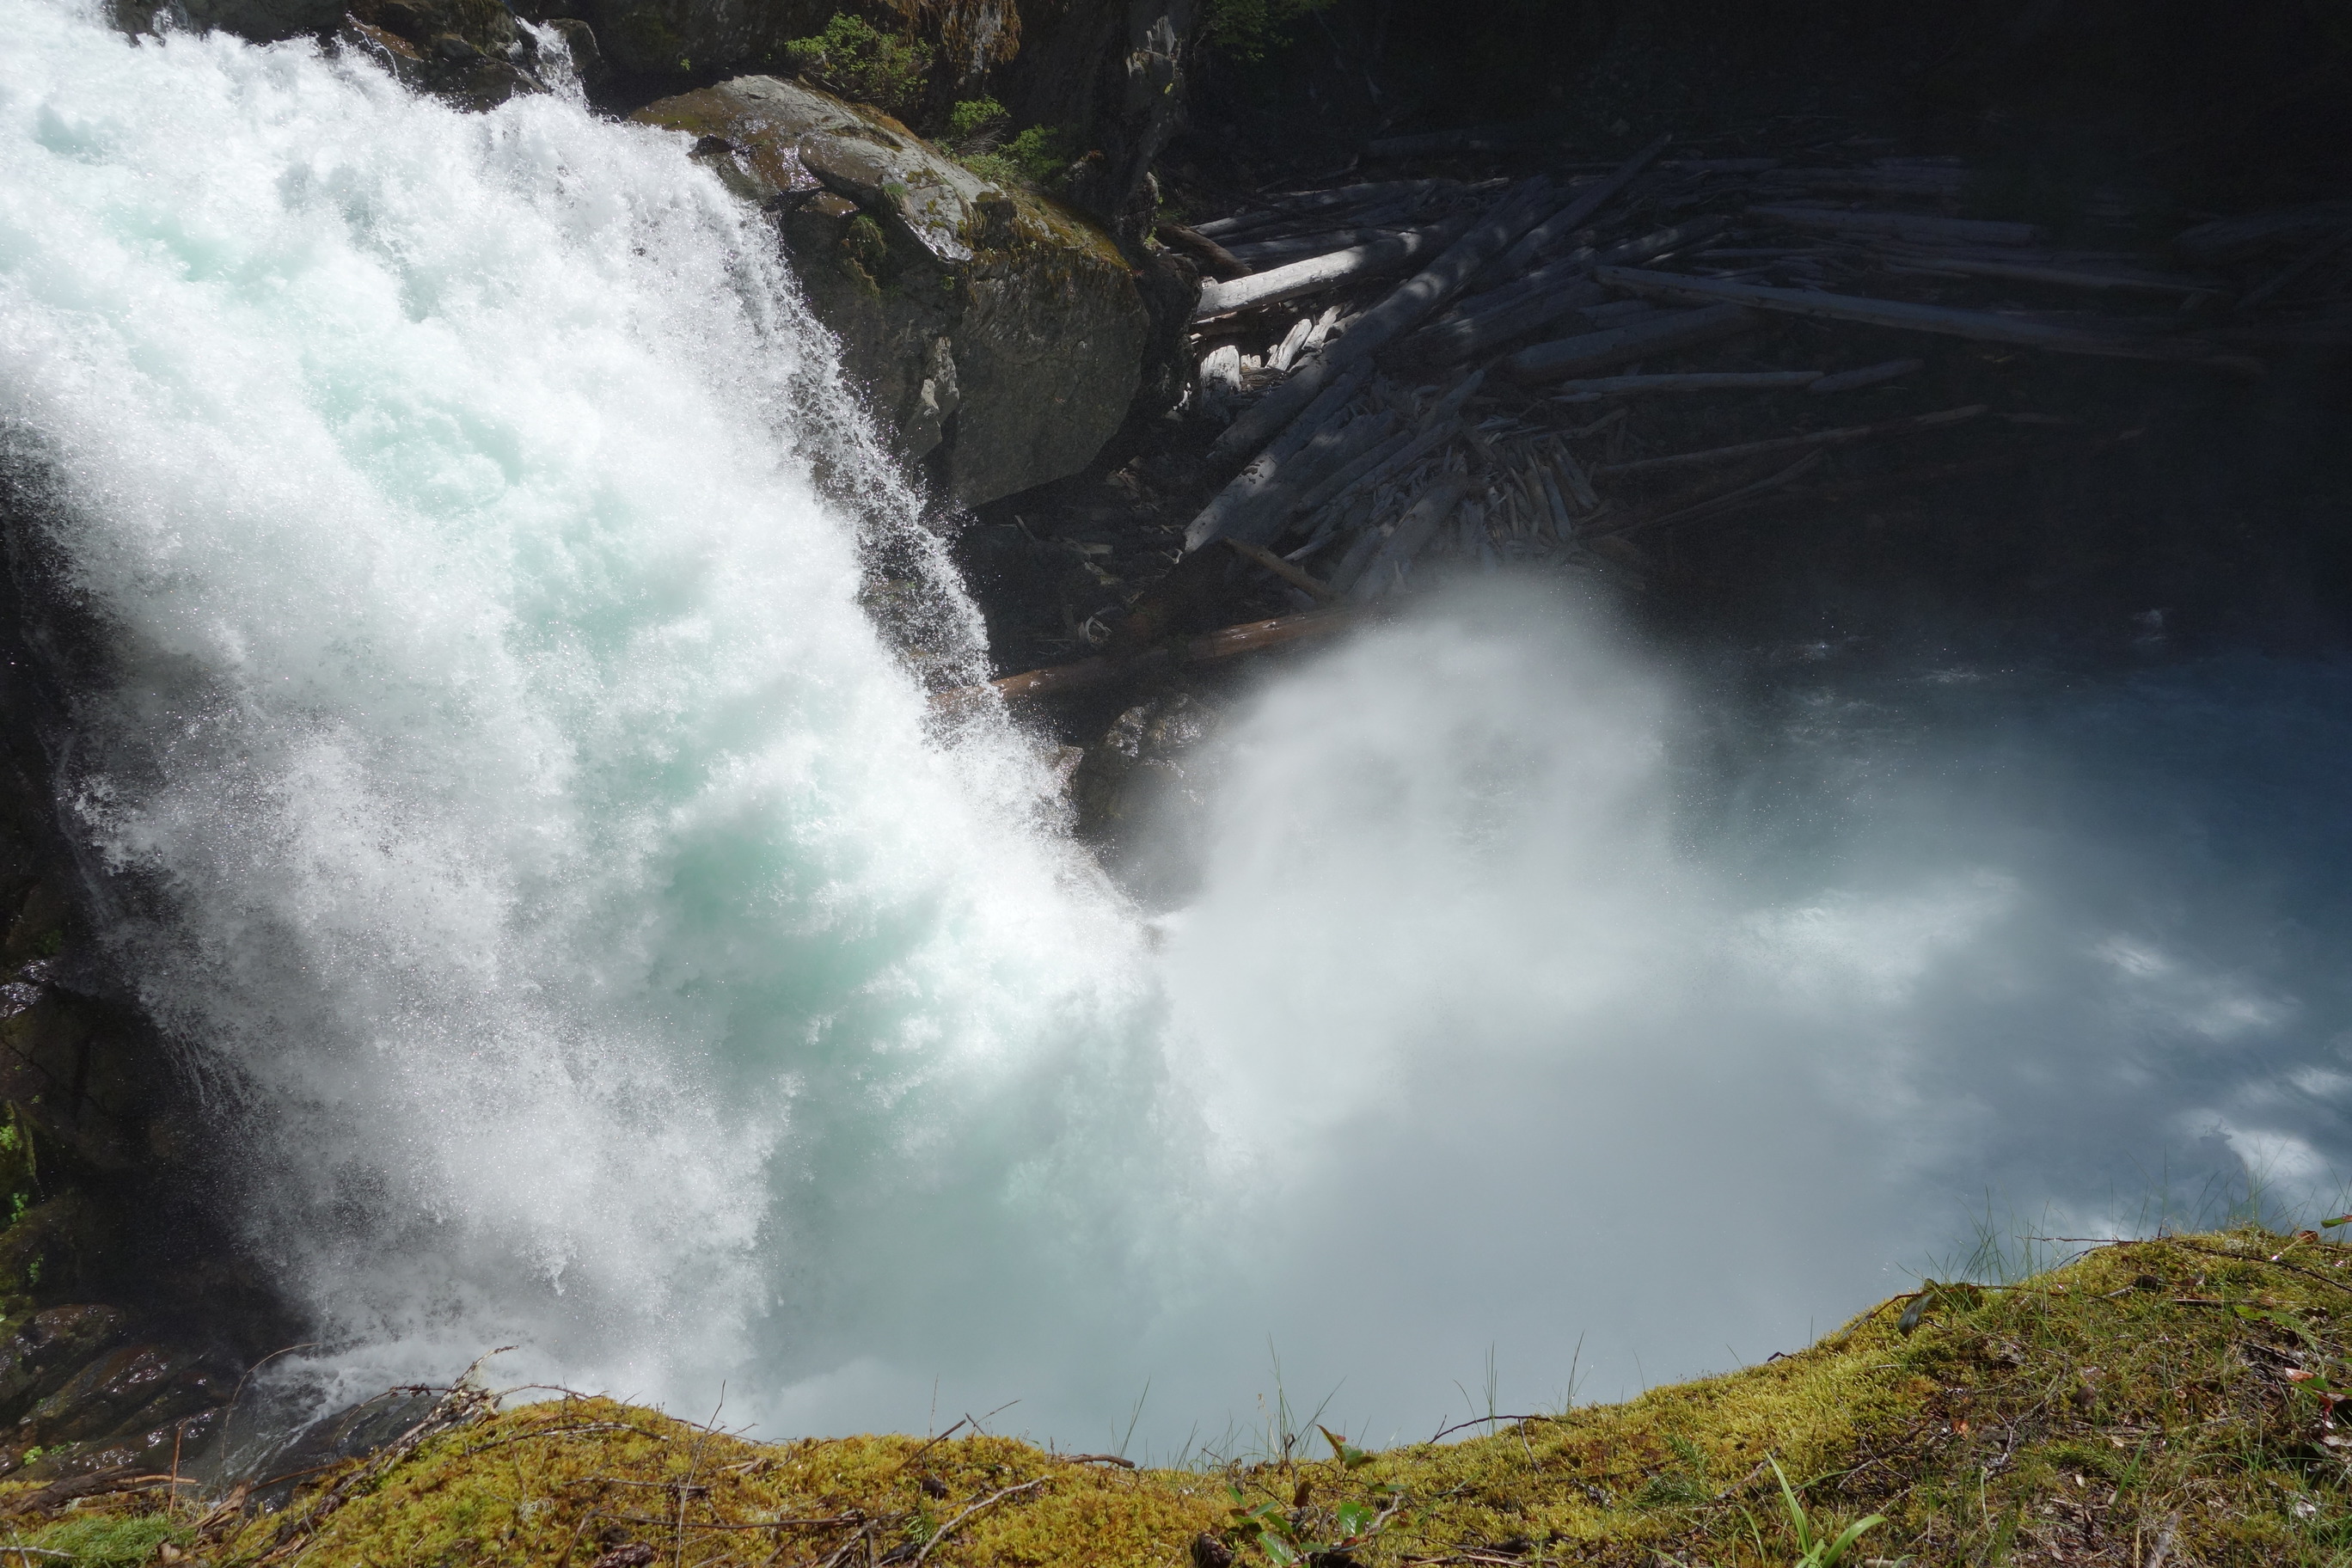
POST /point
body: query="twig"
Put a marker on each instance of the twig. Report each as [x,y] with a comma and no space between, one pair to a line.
[1120,1460]
[992,1500]
[934,1442]
[557,1432]
[1838,436]
[1484,1420]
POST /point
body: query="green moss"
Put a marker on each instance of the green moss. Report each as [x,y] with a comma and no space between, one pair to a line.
[2182,1387]
[114,1541]
[850,58]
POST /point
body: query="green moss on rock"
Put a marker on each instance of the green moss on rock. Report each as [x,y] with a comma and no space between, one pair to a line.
[2181,1390]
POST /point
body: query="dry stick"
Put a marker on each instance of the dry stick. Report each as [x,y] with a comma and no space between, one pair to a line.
[1984,326]
[1689,381]
[1262,556]
[990,1500]
[1729,501]
[1791,443]
[1405,308]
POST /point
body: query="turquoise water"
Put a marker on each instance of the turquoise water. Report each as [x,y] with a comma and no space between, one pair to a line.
[589,942]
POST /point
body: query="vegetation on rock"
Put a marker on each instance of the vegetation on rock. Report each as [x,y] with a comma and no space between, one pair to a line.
[853,58]
[2170,1399]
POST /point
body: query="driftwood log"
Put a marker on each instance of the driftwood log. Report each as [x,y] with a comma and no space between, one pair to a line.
[1590,351]
[1318,273]
[1227,642]
[1985,326]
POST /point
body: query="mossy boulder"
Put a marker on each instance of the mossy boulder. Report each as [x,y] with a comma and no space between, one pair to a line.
[998,336]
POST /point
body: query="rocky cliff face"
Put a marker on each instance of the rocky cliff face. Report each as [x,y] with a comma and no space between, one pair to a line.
[999,335]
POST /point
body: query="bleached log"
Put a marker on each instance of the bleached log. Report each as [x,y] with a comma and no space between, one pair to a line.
[1902,225]
[1845,436]
[1565,286]
[1405,541]
[1571,218]
[1266,468]
[1391,457]
[1406,307]
[1264,255]
[1316,273]
[1985,326]
[1589,352]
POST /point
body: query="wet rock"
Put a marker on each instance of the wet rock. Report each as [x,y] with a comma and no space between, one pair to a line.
[470,52]
[42,1351]
[1145,764]
[998,336]
[187,1440]
[131,1388]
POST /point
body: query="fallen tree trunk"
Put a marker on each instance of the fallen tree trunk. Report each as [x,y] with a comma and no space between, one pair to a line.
[1589,352]
[1984,326]
[1318,273]
[1902,225]
[1214,258]
[1227,642]
[1412,532]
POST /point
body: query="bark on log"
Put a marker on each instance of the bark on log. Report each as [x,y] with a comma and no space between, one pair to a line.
[1316,273]
[1214,258]
[1227,642]
[1902,225]
[1589,352]
[1983,326]
[1404,309]
[1838,438]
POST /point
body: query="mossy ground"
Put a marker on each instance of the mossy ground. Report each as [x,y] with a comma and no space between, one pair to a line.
[2168,1400]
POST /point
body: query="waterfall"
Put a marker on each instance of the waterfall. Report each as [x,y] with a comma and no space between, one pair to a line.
[586,939]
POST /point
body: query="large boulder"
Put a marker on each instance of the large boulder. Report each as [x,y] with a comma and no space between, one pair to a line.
[1000,337]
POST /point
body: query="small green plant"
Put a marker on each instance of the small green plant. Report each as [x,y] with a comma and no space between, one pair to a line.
[1813,1549]
[113,1541]
[854,59]
[1037,159]
[976,118]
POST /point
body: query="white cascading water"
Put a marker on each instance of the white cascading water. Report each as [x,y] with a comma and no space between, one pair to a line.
[586,944]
